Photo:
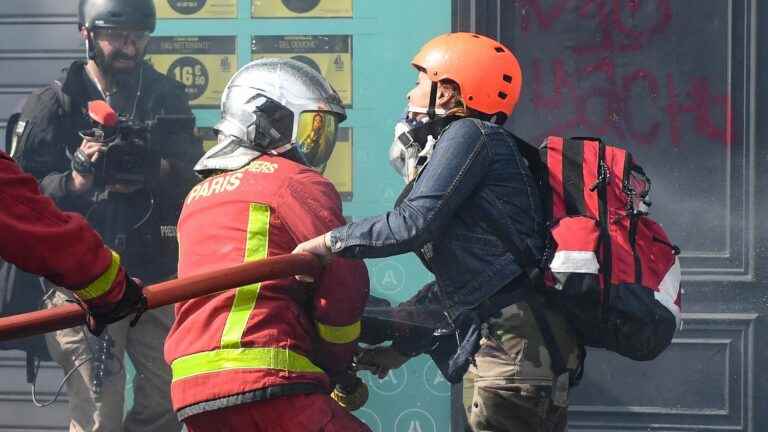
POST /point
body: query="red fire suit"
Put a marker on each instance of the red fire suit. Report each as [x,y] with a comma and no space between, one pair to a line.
[39,238]
[276,341]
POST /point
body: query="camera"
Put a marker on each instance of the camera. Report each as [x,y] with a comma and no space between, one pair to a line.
[132,149]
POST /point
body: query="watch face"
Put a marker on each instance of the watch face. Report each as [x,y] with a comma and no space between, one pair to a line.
[300,6]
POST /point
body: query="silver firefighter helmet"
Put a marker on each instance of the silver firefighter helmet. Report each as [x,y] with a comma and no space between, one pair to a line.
[275,106]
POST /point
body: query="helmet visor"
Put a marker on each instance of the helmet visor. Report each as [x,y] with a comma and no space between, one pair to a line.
[316,137]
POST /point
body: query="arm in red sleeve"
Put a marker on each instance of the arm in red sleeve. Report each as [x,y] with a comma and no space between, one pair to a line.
[39,238]
[312,207]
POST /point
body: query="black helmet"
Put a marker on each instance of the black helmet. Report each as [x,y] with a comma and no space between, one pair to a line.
[129,14]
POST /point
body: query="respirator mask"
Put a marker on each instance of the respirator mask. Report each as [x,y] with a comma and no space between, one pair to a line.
[414,141]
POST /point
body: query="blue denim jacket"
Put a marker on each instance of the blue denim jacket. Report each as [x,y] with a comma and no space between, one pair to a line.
[476,174]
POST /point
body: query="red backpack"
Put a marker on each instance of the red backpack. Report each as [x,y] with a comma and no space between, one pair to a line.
[612,270]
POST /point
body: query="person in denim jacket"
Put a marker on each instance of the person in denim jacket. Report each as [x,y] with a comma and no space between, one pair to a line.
[468,191]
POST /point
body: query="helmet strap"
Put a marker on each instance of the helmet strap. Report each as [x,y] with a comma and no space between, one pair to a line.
[293,153]
[420,133]
[432,101]
[90,46]
[498,118]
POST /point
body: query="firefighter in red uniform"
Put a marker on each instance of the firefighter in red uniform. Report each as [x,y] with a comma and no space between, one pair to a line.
[41,239]
[263,357]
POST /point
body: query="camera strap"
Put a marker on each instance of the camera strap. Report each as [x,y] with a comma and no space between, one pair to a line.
[107,95]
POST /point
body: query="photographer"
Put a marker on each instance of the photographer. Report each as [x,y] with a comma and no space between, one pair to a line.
[130,190]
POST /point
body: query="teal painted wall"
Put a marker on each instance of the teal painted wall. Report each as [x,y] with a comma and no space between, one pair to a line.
[386,34]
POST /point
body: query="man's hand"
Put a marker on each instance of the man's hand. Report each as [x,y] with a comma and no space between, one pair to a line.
[131,302]
[319,247]
[380,360]
[82,165]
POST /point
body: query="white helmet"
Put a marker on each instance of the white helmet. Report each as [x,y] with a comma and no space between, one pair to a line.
[275,106]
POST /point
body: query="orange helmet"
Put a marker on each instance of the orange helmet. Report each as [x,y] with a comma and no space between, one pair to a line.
[488,74]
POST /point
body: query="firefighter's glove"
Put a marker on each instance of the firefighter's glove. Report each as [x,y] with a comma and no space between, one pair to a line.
[131,302]
[352,395]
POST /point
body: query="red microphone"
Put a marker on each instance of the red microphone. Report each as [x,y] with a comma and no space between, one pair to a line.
[102,113]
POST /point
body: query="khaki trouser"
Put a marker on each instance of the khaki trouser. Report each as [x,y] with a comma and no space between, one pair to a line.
[512,387]
[103,411]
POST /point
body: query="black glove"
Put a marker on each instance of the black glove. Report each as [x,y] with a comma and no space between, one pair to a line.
[351,393]
[132,302]
[82,164]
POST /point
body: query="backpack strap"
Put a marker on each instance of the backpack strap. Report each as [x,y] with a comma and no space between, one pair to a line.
[531,154]
[605,237]
[14,127]
[559,365]
[530,263]
[519,248]
[65,102]
[535,279]
[67,85]
[12,135]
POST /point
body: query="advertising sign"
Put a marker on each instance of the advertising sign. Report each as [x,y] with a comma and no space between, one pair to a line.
[301,8]
[204,64]
[331,55]
[191,9]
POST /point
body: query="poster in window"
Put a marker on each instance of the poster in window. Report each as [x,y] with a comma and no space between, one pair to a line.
[204,64]
[193,9]
[340,166]
[301,8]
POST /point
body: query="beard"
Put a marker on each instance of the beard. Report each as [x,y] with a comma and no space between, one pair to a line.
[117,62]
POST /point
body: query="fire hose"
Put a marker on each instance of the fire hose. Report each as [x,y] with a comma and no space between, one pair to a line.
[165,293]
[173,291]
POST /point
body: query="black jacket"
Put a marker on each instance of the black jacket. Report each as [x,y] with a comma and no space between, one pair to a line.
[140,225]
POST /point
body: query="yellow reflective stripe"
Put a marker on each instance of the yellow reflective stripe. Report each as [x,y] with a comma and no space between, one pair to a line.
[245,299]
[100,286]
[257,241]
[242,358]
[256,246]
[339,335]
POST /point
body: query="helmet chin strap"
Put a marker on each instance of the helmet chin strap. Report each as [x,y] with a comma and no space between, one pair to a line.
[436,123]
[432,101]
[90,47]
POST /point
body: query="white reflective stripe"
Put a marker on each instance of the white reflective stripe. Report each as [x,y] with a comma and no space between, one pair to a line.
[575,262]
[669,289]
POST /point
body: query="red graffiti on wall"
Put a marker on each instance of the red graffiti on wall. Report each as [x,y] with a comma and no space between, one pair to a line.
[610,108]
[606,16]
[628,102]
